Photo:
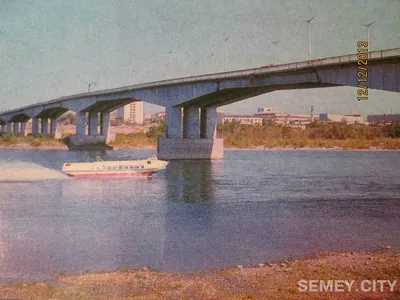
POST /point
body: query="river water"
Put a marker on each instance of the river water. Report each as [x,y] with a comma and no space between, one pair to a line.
[248,208]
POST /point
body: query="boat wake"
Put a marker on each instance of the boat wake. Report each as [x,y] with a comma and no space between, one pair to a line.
[24,171]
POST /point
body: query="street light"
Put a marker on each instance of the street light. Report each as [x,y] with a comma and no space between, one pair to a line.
[170,63]
[276,51]
[101,78]
[90,84]
[309,38]
[368,36]
[212,62]
[130,72]
[133,76]
[226,53]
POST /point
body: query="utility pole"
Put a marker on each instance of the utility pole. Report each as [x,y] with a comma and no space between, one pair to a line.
[276,51]
[309,38]
[226,53]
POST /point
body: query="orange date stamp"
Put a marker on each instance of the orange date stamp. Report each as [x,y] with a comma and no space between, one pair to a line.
[362,70]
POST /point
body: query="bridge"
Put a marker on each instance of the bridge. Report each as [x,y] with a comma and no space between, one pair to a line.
[191,103]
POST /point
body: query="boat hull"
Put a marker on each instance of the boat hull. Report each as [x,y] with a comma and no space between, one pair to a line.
[111,175]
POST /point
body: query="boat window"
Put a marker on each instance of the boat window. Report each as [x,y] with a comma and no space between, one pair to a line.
[109,168]
[136,167]
[142,167]
[148,162]
[120,167]
[131,167]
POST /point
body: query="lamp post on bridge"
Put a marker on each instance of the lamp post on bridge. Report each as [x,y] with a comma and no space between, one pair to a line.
[90,84]
[170,64]
[368,35]
[133,76]
[309,37]
[226,53]
[276,51]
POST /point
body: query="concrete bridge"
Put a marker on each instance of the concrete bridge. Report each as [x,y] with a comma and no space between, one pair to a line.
[191,102]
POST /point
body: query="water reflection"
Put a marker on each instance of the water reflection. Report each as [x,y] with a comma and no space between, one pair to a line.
[190,181]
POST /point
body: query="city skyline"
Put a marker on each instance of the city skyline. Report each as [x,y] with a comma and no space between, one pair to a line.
[55,49]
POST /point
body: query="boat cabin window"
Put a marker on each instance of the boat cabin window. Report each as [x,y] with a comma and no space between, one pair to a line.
[131,167]
[148,162]
[120,167]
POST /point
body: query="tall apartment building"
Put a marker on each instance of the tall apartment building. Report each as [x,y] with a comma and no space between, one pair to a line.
[132,112]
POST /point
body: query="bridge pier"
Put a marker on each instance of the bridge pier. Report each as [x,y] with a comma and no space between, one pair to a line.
[9,127]
[93,139]
[45,126]
[195,139]
[19,128]
[15,128]
[191,122]
[35,126]
[53,128]
[93,120]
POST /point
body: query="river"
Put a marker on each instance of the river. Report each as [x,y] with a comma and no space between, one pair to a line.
[250,207]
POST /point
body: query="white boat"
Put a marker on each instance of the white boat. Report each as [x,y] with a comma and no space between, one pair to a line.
[115,169]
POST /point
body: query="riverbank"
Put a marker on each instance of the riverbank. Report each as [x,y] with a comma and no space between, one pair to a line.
[140,141]
[61,146]
[264,281]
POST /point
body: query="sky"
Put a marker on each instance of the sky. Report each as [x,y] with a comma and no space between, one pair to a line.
[53,48]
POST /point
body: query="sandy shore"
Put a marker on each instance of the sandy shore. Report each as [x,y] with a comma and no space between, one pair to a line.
[264,281]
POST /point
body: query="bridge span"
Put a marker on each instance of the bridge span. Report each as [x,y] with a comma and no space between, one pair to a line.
[191,103]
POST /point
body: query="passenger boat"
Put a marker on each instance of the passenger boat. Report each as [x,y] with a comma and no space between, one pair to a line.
[115,169]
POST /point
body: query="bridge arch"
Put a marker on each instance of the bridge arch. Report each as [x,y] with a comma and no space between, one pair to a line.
[20,118]
[52,113]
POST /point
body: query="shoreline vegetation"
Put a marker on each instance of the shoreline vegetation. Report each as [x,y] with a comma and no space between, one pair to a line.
[279,280]
[317,136]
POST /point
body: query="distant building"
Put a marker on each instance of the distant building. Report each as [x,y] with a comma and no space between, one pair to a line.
[267,112]
[345,119]
[242,119]
[383,119]
[132,113]
[299,121]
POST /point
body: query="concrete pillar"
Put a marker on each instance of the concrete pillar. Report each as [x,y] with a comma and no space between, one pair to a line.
[53,127]
[104,123]
[208,122]
[35,126]
[174,122]
[16,128]
[8,127]
[23,131]
[191,122]
[81,123]
[93,120]
[45,126]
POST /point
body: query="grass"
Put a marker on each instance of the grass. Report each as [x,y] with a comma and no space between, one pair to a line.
[30,141]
